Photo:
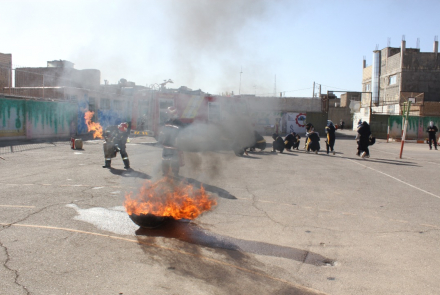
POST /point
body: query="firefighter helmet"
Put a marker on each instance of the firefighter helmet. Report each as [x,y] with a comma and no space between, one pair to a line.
[123,127]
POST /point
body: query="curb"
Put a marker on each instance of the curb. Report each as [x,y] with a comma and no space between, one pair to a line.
[408,141]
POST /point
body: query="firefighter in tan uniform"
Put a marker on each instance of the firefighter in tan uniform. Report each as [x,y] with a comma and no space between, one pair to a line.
[115,140]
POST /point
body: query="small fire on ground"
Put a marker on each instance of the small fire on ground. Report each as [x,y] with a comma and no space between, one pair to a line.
[92,126]
[167,198]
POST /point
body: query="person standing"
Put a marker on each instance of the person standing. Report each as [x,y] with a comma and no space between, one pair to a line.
[341,124]
[115,140]
[330,142]
[309,129]
[432,130]
[363,137]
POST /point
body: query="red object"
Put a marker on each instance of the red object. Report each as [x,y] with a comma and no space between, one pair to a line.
[72,143]
[123,127]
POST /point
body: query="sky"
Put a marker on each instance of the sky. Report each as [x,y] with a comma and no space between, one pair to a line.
[257,47]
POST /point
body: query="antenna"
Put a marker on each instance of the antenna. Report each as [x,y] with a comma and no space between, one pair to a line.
[418,43]
[388,42]
[239,87]
[403,37]
[377,46]
[275,87]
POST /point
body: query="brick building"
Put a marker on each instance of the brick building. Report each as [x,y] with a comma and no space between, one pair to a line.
[5,70]
[58,73]
[399,73]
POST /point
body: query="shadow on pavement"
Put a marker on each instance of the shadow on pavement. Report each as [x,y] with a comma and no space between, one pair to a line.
[210,188]
[384,161]
[190,233]
[130,173]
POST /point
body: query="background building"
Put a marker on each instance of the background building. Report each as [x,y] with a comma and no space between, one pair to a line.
[58,73]
[399,73]
[5,70]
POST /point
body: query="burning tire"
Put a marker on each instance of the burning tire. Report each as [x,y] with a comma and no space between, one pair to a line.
[148,220]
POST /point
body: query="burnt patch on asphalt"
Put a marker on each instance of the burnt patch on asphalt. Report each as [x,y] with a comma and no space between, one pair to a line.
[191,233]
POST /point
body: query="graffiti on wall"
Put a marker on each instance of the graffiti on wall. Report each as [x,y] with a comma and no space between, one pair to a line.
[49,118]
[35,118]
[416,126]
[12,117]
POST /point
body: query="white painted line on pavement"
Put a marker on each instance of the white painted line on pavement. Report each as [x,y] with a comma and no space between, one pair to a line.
[17,206]
[395,178]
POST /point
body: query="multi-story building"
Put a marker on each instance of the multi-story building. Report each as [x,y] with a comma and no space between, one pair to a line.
[58,73]
[5,70]
[397,74]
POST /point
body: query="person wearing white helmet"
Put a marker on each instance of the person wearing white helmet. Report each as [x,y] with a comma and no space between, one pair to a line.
[432,130]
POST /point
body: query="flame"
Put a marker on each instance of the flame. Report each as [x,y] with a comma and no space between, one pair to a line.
[165,198]
[92,126]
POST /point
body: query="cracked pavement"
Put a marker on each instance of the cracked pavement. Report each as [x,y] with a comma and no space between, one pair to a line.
[291,223]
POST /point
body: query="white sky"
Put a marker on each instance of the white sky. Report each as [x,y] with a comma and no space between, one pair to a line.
[204,44]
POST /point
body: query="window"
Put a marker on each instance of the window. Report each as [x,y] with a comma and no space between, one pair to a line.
[117,105]
[392,80]
[105,104]
[367,87]
[92,106]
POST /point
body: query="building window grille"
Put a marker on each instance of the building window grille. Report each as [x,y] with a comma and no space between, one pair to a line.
[392,80]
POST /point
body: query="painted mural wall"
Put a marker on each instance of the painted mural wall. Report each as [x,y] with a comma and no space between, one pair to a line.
[50,119]
[416,127]
[12,118]
[36,119]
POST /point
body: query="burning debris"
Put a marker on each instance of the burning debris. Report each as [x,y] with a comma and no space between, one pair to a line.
[165,198]
[92,126]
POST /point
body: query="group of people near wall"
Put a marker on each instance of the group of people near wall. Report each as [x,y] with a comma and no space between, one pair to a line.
[311,142]
[116,137]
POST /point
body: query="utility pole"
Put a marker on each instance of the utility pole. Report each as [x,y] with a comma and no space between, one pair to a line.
[313,94]
[275,87]
[405,124]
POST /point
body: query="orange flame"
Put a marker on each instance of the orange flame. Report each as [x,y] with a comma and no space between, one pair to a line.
[164,198]
[92,126]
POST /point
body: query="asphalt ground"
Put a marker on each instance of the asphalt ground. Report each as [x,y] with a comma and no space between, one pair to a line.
[291,223]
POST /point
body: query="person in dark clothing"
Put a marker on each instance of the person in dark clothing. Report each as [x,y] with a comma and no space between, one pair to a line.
[432,130]
[172,157]
[341,124]
[330,141]
[313,142]
[291,141]
[259,142]
[309,128]
[115,140]
[278,144]
[363,137]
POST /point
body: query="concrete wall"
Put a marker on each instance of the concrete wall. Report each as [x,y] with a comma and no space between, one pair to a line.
[390,93]
[336,114]
[421,73]
[36,119]
[416,127]
[12,118]
[431,108]
[53,77]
